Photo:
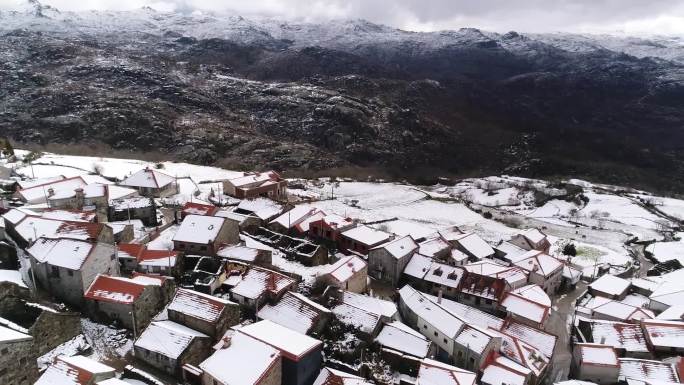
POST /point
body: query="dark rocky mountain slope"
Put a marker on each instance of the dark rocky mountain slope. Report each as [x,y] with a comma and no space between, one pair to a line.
[266,93]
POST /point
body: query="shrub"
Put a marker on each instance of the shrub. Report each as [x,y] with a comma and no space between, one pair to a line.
[487,215]
[569,249]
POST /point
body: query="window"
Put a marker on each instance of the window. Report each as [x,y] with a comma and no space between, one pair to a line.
[460,354]
[424,326]
[203,248]
[445,340]
[436,334]
[181,246]
[488,301]
[70,272]
[54,271]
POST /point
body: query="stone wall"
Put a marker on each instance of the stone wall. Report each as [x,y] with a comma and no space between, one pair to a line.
[18,363]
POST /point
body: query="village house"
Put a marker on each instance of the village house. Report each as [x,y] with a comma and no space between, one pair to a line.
[66,267]
[529,304]
[387,261]
[65,370]
[181,345]
[296,221]
[19,367]
[403,348]
[132,302]
[30,228]
[49,326]
[194,208]
[152,183]
[627,339]
[603,308]
[361,239]
[251,255]
[228,364]
[518,359]
[503,371]
[434,277]
[263,208]
[436,247]
[349,273]
[124,232]
[38,193]
[134,208]
[137,257]
[204,235]
[532,239]
[203,312]
[329,228]
[302,355]
[297,312]
[256,184]
[458,341]
[482,291]
[638,371]
[542,269]
[595,363]
[667,294]
[260,286]
[94,196]
[514,276]
[246,222]
[472,245]
[365,313]
[610,286]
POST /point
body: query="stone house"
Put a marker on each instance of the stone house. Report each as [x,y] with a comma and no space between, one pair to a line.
[181,346]
[93,197]
[432,276]
[302,355]
[259,286]
[297,312]
[531,239]
[31,227]
[194,208]
[48,326]
[246,222]
[152,183]
[141,208]
[132,302]
[349,273]
[36,194]
[66,267]
[17,358]
[542,269]
[135,256]
[296,221]
[595,363]
[330,227]
[256,184]
[361,239]
[246,254]
[68,369]
[203,312]
[387,261]
[227,364]
[482,291]
[204,235]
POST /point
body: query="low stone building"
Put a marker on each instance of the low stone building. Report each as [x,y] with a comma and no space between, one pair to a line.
[595,363]
[17,358]
[152,183]
[67,369]
[243,253]
[349,273]
[130,301]
[260,286]
[203,312]
[66,267]
[204,235]
[141,208]
[256,184]
[387,261]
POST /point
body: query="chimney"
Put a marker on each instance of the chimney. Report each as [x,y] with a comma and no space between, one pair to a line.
[80,197]
[439,296]
[603,340]
[51,192]
[227,339]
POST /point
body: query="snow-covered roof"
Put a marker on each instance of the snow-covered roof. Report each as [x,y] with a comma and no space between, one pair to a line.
[499,374]
[346,268]
[148,178]
[525,308]
[619,335]
[257,281]
[617,310]
[367,235]
[444,321]
[571,273]
[664,334]
[15,216]
[69,215]
[242,362]
[534,293]
[294,311]
[473,244]
[433,372]
[400,337]
[13,276]
[474,338]
[34,227]
[533,235]
[362,319]
[522,353]
[124,204]
[290,343]
[329,376]
[372,304]
[538,262]
[40,193]
[610,285]
[638,369]
[198,305]
[115,289]
[596,354]
[473,315]
[28,183]
[76,370]
[673,313]
[263,208]
[239,252]
[397,248]
[254,179]
[512,275]
[199,229]
[336,221]
[10,335]
[539,339]
[297,215]
[669,293]
[167,338]
[427,269]
[433,246]
[66,253]
[511,251]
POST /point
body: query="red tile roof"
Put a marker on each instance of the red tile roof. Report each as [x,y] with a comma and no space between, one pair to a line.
[198,209]
[114,289]
[142,253]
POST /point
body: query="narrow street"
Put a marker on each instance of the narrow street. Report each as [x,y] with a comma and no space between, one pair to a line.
[559,325]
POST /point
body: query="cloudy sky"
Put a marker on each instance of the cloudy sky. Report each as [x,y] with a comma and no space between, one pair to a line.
[627,16]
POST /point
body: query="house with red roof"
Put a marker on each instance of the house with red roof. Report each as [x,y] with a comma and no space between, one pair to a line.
[130,301]
[529,304]
[203,312]
[135,256]
[195,208]
[482,291]
[152,183]
[388,260]
[595,363]
[204,235]
[329,227]
[256,184]
[349,273]
[39,193]
[77,370]
[531,239]
[258,286]
[542,269]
